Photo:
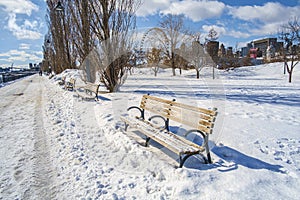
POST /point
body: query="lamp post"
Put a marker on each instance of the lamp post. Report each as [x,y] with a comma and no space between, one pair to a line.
[59,7]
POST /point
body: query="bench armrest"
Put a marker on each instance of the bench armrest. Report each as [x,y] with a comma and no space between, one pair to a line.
[141,111]
[165,120]
[205,143]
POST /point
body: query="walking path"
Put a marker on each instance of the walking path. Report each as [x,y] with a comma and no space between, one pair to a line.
[25,170]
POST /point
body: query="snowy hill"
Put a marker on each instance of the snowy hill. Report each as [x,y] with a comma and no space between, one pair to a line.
[55,145]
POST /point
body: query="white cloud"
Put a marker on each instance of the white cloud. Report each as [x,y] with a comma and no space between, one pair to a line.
[265,19]
[18,6]
[222,30]
[24,46]
[16,56]
[267,29]
[25,31]
[268,13]
[196,10]
[151,7]
[219,29]
[238,34]
[30,24]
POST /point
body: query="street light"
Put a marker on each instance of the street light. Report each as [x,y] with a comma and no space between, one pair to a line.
[59,7]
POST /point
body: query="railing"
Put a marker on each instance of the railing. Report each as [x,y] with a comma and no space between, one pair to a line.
[11,76]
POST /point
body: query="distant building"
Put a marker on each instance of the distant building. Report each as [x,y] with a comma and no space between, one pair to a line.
[245,50]
[222,51]
[229,51]
[262,45]
[212,48]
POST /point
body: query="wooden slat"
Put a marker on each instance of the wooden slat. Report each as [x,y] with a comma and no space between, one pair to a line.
[176,143]
[199,118]
[197,109]
[180,105]
[191,124]
[171,141]
[193,114]
[161,109]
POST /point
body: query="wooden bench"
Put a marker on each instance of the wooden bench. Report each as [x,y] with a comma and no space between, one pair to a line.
[62,81]
[199,119]
[91,89]
[70,84]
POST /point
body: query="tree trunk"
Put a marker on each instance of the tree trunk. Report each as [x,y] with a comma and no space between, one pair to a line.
[198,74]
[173,64]
[290,76]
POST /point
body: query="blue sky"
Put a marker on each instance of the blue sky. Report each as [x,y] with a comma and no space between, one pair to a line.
[23,24]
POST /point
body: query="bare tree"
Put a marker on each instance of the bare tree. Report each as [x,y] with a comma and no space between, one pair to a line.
[212,35]
[196,54]
[181,57]
[175,32]
[83,40]
[112,23]
[290,34]
[212,45]
[60,48]
[198,57]
[154,57]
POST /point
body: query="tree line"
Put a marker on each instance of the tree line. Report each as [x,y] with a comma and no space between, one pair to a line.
[97,36]
[90,32]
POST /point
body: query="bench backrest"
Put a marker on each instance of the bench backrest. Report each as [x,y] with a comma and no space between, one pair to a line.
[199,118]
[72,81]
[92,86]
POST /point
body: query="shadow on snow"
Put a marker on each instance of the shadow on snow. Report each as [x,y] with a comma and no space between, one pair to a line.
[230,159]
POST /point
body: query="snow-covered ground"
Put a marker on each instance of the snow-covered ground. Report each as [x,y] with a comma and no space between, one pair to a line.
[55,145]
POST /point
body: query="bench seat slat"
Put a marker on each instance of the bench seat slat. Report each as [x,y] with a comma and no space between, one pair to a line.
[175,143]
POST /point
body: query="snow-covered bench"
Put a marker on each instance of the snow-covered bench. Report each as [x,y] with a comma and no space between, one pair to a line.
[70,84]
[91,89]
[201,121]
[62,81]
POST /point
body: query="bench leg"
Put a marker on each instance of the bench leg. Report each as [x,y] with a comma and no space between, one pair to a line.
[147,141]
[205,144]
[207,150]
[182,159]
[209,158]
[126,126]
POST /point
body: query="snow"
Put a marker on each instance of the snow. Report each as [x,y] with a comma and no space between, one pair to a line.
[54,145]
